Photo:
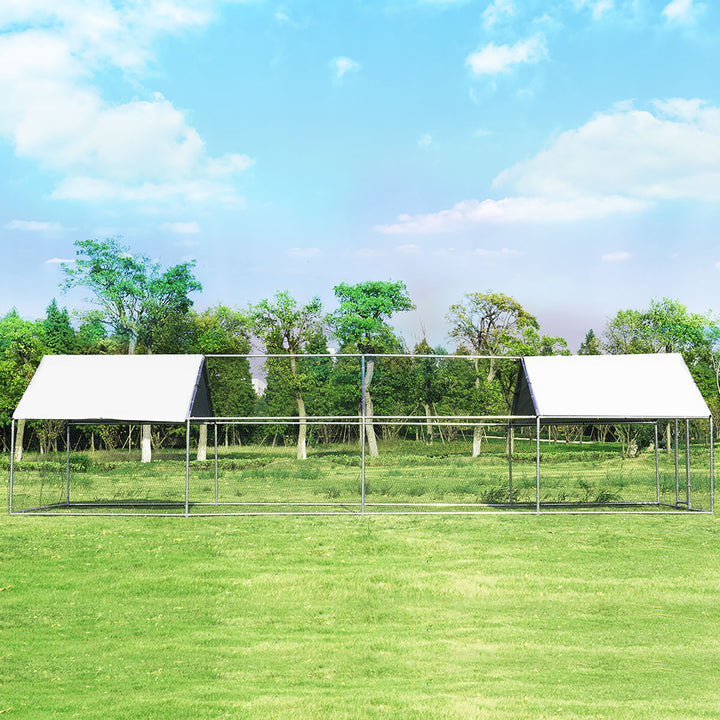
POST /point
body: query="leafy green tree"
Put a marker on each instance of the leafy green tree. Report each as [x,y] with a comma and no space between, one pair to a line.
[626,334]
[222,331]
[458,379]
[492,325]
[134,296]
[317,373]
[672,328]
[666,326]
[361,322]
[591,344]
[58,333]
[284,326]
[21,350]
[92,337]
[427,385]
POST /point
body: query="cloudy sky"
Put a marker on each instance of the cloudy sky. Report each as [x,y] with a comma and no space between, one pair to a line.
[565,152]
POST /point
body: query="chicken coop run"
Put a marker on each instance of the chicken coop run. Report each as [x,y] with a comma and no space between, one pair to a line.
[353,433]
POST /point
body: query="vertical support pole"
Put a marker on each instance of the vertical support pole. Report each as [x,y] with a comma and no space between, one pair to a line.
[657,465]
[677,465]
[67,465]
[187,468]
[216,466]
[537,465]
[12,464]
[362,433]
[687,461]
[510,440]
[712,468]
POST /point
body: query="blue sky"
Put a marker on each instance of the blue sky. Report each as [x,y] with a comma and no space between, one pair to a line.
[564,152]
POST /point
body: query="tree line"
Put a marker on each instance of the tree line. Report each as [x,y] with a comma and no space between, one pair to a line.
[139,308]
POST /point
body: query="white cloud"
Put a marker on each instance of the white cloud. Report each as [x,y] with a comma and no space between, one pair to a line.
[33,226]
[496,11]
[342,65]
[511,210]
[671,154]
[426,140]
[228,165]
[183,228]
[495,59]
[50,53]
[90,189]
[621,162]
[681,11]
[59,261]
[614,257]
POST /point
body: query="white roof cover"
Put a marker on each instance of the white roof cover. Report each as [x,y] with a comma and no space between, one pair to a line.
[125,388]
[614,386]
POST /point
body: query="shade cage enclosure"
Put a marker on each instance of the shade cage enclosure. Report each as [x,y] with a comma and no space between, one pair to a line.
[361,433]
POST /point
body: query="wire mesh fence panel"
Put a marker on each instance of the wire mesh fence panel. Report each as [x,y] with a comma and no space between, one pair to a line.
[418,468]
[616,466]
[102,468]
[264,477]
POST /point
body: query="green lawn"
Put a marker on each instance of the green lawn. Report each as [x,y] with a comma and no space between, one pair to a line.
[360,617]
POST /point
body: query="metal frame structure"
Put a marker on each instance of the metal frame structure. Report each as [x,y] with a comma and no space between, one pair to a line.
[508,422]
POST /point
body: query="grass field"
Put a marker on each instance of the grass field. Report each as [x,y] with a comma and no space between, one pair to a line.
[555,616]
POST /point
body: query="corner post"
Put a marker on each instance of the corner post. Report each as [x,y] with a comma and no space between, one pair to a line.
[67,465]
[677,465]
[187,468]
[511,442]
[12,464]
[657,465]
[362,433]
[687,462]
[712,468]
[537,464]
[216,465]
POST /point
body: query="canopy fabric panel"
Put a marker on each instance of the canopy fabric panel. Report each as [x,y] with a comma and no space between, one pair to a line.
[608,387]
[117,388]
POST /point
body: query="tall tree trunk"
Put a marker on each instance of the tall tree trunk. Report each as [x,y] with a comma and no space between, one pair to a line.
[428,422]
[369,427]
[302,429]
[477,440]
[19,440]
[302,424]
[477,430]
[491,373]
[146,443]
[202,443]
